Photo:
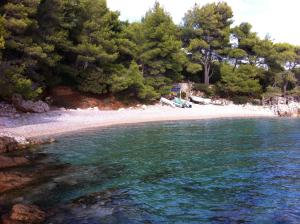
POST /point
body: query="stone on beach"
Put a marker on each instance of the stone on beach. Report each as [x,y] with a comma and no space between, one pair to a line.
[290,110]
[62,121]
[29,105]
[8,144]
[8,110]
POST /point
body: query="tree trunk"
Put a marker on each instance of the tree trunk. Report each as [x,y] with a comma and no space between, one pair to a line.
[206,74]
[235,64]
[285,89]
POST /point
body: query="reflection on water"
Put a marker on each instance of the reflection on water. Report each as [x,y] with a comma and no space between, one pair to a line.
[216,171]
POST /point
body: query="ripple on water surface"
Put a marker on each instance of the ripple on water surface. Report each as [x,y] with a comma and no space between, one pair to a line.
[214,171]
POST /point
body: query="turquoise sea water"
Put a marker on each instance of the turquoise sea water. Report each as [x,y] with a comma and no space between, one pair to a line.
[210,171]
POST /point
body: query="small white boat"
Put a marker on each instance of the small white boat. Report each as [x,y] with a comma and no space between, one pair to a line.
[177,102]
[165,101]
[181,103]
[200,100]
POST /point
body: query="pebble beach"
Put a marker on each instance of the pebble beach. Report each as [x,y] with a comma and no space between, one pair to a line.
[61,121]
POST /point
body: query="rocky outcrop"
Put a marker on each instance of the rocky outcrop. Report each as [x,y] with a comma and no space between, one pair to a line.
[41,141]
[13,180]
[29,105]
[288,110]
[7,110]
[21,214]
[6,162]
[283,106]
[8,144]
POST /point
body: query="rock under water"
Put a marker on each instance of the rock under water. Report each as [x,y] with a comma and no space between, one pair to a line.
[13,180]
[24,214]
[6,162]
[109,206]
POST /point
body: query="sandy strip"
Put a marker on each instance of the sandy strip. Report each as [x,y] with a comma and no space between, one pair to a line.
[63,121]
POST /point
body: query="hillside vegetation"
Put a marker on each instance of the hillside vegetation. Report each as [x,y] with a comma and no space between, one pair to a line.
[84,45]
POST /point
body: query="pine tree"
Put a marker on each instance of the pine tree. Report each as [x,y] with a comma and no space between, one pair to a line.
[242,81]
[251,48]
[97,49]
[132,83]
[206,34]
[60,22]
[22,52]
[2,35]
[161,58]
[287,57]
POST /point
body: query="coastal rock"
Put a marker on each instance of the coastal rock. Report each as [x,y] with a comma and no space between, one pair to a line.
[18,138]
[6,162]
[8,144]
[41,141]
[7,220]
[288,110]
[29,105]
[21,214]
[7,110]
[13,180]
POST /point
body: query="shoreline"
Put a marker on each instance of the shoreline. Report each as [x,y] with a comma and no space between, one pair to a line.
[58,122]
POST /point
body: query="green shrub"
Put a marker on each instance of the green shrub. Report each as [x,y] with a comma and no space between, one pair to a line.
[13,81]
[256,102]
[272,92]
[200,87]
[208,90]
[240,99]
[243,81]
[295,91]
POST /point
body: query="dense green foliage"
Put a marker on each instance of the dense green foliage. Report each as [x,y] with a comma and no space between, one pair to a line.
[240,81]
[206,33]
[157,51]
[2,34]
[83,44]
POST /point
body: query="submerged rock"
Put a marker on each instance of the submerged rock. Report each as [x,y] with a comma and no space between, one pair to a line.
[27,213]
[85,209]
[112,205]
[13,180]
[29,105]
[6,162]
[21,214]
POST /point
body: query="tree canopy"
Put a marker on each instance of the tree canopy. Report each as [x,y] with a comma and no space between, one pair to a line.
[84,44]
[207,35]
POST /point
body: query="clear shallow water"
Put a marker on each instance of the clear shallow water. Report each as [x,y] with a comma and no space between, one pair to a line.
[214,171]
